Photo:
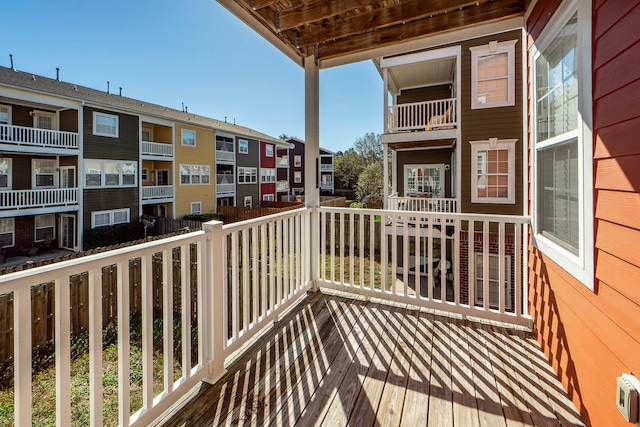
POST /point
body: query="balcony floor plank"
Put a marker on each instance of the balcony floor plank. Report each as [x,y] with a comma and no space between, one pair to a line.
[338,361]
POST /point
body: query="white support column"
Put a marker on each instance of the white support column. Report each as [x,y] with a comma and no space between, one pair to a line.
[79,232]
[312,154]
[385,175]
[394,171]
[385,97]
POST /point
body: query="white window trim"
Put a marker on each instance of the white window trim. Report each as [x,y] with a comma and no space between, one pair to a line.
[36,228]
[144,174]
[266,150]
[111,213]
[248,202]
[579,266]
[492,144]
[33,173]
[195,208]
[103,174]
[191,175]
[9,110]
[242,171]
[95,132]
[479,260]
[297,161]
[182,132]
[9,174]
[240,142]
[507,47]
[40,113]
[13,231]
[267,175]
[297,177]
[268,198]
[439,166]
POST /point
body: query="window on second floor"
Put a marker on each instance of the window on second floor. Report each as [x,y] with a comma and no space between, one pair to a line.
[105,124]
[247,175]
[5,115]
[297,161]
[493,177]
[7,232]
[297,177]
[267,175]
[110,173]
[493,75]
[44,173]
[188,137]
[5,174]
[269,150]
[243,146]
[195,174]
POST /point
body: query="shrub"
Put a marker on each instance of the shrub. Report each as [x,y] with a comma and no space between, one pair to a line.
[205,217]
[113,235]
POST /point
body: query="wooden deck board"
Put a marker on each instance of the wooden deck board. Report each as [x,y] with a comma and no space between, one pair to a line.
[335,361]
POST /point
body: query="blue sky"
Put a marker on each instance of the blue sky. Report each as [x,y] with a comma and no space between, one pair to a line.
[196,52]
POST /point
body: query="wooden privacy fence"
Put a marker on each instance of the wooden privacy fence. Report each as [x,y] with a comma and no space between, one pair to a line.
[236,214]
[43,302]
[167,225]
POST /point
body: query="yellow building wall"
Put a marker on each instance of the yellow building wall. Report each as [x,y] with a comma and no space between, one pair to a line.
[202,154]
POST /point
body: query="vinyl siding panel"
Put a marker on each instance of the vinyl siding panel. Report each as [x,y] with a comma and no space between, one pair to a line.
[593,337]
[124,147]
[108,199]
[424,94]
[482,124]
[424,157]
[69,120]
[202,154]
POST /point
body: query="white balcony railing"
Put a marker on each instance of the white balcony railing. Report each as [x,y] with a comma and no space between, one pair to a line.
[282,185]
[34,137]
[153,192]
[50,197]
[225,184]
[326,166]
[245,275]
[422,204]
[282,161]
[427,115]
[157,149]
[326,184]
[224,156]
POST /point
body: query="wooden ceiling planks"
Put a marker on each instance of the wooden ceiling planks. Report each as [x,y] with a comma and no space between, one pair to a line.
[334,28]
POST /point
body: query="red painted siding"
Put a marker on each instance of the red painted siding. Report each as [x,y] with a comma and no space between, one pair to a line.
[267,162]
[593,337]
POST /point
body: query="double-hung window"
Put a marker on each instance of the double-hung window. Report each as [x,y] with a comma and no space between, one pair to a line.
[105,124]
[110,217]
[188,138]
[247,175]
[196,208]
[7,232]
[5,115]
[493,171]
[297,161]
[267,175]
[5,174]
[493,75]
[44,173]
[562,141]
[268,150]
[110,173]
[195,174]
[45,225]
[243,146]
[297,177]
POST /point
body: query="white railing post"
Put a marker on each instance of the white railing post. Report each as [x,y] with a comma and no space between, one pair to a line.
[22,356]
[214,301]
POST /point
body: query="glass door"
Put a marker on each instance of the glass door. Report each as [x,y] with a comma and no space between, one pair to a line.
[68,238]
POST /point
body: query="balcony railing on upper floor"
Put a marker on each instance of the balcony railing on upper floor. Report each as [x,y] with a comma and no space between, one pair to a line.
[422,204]
[422,116]
[38,198]
[225,184]
[224,156]
[220,287]
[326,166]
[34,137]
[282,161]
[326,184]
[157,192]
[157,149]
[282,185]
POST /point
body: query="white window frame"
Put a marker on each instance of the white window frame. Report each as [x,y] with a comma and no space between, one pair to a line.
[38,113]
[112,213]
[148,130]
[182,137]
[297,177]
[8,223]
[8,109]
[245,143]
[494,47]
[203,175]
[109,116]
[9,172]
[248,202]
[494,144]
[267,175]
[439,166]
[103,174]
[268,197]
[297,161]
[247,175]
[144,174]
[580,266]
[36,228]
[268,150]
[479,296]
[195,208]
[54,174]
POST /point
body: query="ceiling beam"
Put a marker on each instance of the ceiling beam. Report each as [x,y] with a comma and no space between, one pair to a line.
[406,12]
[259,4]
[498,9]
[317,11]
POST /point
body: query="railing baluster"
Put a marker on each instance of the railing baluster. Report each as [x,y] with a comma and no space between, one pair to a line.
[272,267]
[341,243]
[502,279]
[63,351]
[431,280]
[167,315]
[124,355]
[394,250]
[246,271]
[263,269]
[235,302]
[95,346]
[255,299]
[418,263]
[351,248]
[485,265]
[23,357]
[361,252]
[185,309]
[471,262]
[146,276]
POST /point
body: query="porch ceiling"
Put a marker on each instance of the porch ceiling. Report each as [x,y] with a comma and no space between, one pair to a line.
[439,143]
[420,74]
[337,28]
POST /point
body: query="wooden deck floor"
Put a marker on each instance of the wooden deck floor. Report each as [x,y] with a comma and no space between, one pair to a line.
[337,361]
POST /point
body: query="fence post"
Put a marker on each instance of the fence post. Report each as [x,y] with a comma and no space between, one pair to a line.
[215,303]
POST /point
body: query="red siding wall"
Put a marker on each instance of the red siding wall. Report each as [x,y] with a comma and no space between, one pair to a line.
[593,337]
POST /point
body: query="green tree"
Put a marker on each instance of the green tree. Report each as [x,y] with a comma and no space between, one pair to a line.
[369,186]
[369,147]
[347,167]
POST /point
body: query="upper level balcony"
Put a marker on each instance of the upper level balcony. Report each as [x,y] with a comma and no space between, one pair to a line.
[225,184]
[282,161]
[395,337]
[34,140]
[225,150]
[422,116]
[45,200]
[157,194]
[282,185]
[156,150]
